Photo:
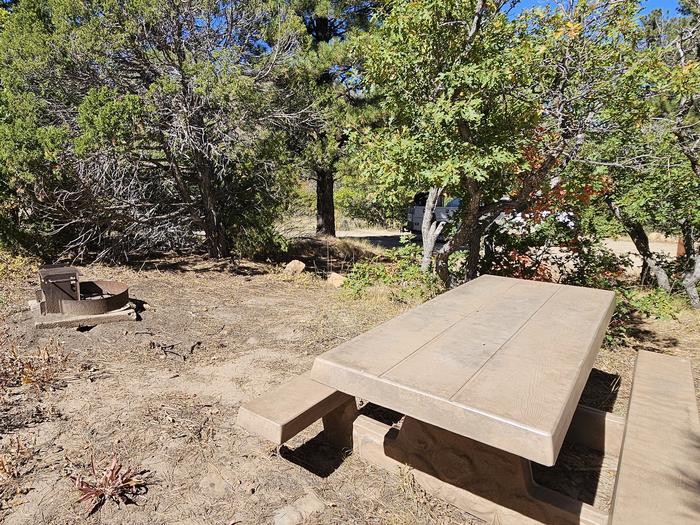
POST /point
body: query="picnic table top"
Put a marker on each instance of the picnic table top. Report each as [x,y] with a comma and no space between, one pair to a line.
[499,360]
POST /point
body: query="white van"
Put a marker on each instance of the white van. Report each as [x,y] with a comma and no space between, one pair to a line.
[417,209]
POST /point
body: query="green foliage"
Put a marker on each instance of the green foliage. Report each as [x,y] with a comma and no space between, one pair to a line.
[633,302]
[591,264]
[643,165]
[139,124]
[654,302]
[488,107]
[133,125]
[16,267]
[108,120]
[324,81]
[361,201]
[558,247]
[453,107]
[399,272]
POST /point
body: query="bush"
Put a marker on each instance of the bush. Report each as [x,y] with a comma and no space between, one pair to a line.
[399,272]
[655,302]
[553,249]
[367,204]
[16,267]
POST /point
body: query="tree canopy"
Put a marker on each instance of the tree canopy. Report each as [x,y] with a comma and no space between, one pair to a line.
[144,125]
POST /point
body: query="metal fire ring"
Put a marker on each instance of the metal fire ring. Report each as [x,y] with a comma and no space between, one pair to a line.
[97,297]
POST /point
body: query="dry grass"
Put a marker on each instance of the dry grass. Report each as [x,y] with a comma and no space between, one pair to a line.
[15,272]
[17,460]
[304,225]
[41,370]
[323,255]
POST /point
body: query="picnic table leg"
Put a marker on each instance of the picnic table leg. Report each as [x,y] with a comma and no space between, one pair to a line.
[338,424]
[596,429]
[494,485]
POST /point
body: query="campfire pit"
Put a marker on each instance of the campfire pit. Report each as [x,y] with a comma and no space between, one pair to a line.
[63,300]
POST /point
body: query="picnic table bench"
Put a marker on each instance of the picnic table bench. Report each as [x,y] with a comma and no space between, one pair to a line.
[489,377]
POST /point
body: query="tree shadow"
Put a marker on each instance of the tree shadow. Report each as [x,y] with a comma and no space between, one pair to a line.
[601,390]
[642,338]
[380,241]
[198,265]
[323,255]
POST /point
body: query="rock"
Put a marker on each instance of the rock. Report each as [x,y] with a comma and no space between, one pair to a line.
[335,279]
[218,482]
[294,267]
[299,511]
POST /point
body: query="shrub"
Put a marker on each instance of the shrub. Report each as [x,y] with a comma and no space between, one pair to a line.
[399,272]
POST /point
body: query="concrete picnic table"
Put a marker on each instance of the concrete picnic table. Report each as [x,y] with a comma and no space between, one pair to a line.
[492,370]
[501,361]
[486,379]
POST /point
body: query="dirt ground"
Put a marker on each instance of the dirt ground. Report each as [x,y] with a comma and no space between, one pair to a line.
[162,394]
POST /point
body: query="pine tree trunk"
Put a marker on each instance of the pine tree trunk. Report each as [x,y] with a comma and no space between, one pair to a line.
[218,245]
[325,203]
[217,242]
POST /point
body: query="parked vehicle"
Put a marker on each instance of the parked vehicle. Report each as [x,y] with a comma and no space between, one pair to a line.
[416,210]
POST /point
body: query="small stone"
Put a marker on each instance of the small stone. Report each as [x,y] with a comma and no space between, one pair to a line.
[336,280]
[294,267]
[217,482]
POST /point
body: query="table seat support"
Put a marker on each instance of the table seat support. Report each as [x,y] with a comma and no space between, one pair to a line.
[282,413]
[486,482]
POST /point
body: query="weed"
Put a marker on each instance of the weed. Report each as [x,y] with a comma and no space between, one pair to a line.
[401,273]
[15,462]
[13,459]
[655,303]
[120,486]
[635,302]
[42,371]
[16,267]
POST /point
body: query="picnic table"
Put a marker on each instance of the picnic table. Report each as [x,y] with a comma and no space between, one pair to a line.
[488,377]
[502,361]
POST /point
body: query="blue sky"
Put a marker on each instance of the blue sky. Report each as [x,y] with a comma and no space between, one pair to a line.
[665,5]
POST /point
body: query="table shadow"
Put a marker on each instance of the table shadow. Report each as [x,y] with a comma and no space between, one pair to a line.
[580,471]
[316,455]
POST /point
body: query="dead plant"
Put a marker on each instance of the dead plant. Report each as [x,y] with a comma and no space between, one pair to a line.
[40,370]
[13,458]
[16,461]
[113,483]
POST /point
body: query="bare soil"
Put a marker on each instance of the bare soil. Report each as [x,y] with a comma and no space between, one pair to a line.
[162,394]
